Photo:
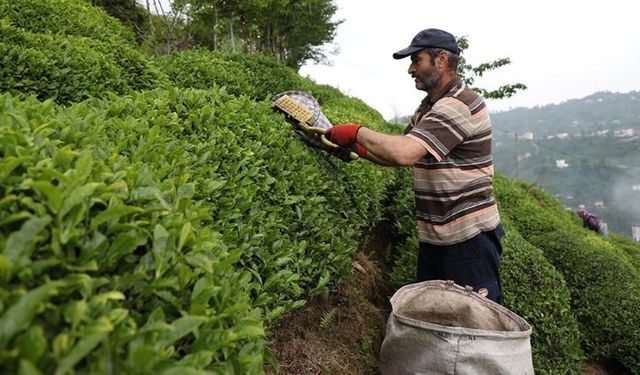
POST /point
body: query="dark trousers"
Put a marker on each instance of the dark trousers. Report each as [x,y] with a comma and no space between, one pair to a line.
[474,262]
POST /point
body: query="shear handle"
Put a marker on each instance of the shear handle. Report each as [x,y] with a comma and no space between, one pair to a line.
[320,132]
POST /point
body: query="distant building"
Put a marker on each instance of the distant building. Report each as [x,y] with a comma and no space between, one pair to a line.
[561,163]
[527,136]
[562,135]
[623,133]
[599,204]
[635,232]
[602,132]
[525,156]
[635,187]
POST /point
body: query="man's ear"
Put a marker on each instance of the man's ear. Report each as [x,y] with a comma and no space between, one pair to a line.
[442,60]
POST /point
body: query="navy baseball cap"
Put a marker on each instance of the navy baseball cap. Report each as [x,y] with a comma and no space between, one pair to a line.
[429,38]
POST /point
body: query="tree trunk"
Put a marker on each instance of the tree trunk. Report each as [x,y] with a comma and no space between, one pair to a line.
[233,42]
[215,25]
[151,27]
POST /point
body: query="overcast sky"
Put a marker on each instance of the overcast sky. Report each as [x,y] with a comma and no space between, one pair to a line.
[562,49]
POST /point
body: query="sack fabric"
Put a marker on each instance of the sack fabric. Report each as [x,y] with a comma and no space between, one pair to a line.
[438,327]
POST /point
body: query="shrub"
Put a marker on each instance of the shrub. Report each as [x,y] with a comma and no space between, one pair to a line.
[254,75]
[164,231]
[202,69]
[537,292]
[268,76]
[605,294]
[70,69]
[600,276]
[65,17]
[629,247]
[108,265]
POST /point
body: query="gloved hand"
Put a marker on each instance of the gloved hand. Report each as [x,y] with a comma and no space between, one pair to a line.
[343,134]
[344,153]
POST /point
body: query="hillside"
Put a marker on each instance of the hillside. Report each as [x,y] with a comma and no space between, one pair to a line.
[584,151]
[159,218]
[599,111]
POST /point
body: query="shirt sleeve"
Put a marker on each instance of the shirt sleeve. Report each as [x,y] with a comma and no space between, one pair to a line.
[443,127]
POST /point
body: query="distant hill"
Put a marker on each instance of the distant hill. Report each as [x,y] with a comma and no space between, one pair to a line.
[602,110]
[585,151]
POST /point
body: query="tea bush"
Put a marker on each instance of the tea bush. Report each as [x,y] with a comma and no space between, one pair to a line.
[605,295]
[254,75]
[600,276]
[69,68]
[186,220]
[108,265]
[65,17]
[537,292]
[629,247]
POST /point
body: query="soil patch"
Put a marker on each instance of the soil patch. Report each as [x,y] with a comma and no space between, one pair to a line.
[341,331]
[338,333]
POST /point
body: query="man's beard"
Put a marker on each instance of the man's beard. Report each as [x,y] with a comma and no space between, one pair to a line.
[429,80]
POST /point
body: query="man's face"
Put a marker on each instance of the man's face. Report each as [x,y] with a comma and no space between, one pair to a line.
[423,71]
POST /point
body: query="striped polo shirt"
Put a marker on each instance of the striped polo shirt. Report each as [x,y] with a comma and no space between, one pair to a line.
[453,181]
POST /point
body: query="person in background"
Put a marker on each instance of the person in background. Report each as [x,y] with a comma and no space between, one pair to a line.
[593,222]
[448,144]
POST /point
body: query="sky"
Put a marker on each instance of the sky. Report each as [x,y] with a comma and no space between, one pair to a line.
[562,49]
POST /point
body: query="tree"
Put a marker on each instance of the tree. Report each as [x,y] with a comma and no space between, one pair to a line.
[469,74]
[129,13]
[292,31]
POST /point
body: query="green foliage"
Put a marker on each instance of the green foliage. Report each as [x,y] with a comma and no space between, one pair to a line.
[289,31]
[605,293]
[171,225]
[404,256]
[203,69]
[537,292]
[130,13]
[255,75]
[70,68]
[108,263]
[65,17]
[328,317]
[603,282]
[629,247]
[535,213]
[469,73]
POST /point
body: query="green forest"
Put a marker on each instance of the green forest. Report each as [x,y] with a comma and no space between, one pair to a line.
[158,217]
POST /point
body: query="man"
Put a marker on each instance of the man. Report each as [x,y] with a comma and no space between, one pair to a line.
[448,143]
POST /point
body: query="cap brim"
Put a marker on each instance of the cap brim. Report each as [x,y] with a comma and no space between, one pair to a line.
[406,52]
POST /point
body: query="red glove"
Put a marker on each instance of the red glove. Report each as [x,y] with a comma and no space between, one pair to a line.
[343,134]
[359,149]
